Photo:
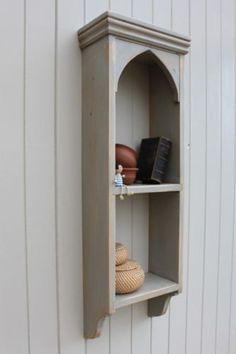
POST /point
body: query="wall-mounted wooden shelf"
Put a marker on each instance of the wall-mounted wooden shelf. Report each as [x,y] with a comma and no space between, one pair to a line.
[132,88]
[153,286]
[146,188]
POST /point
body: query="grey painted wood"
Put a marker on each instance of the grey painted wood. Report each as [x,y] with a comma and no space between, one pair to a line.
[156,113]
[98,218]
[134,31]
[166,120]
[191,319]
[169,62]
[177,332]
[164,243]
[142,188]
[153,286]
[159,306]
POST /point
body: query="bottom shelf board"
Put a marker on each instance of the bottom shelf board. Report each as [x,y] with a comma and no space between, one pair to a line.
[153,286]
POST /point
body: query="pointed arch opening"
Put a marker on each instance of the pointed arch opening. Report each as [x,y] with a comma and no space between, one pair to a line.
[147,106]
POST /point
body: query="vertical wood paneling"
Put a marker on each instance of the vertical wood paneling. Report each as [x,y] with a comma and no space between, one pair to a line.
[142,10]
[13,287]
[232,338]
[227,178]
[213,166]
[198,177]
[40,175]
[100,345]
[205,314]
[122,7]
[162,15]
[180,18]
[121,331]
[95,8]
[68,183]
[232,334]
[177,333]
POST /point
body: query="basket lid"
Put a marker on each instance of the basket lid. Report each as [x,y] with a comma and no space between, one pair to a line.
[119,246]
[129,265]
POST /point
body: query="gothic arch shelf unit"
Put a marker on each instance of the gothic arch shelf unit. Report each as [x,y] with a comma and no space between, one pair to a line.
[122,55]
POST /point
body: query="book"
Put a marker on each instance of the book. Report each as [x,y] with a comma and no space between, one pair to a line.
[153,159]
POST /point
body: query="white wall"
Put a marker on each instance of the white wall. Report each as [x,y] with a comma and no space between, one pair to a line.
[40,183]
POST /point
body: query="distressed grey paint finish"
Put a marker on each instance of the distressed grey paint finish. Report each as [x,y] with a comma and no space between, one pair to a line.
[98,201]
[200,314]
[105,61]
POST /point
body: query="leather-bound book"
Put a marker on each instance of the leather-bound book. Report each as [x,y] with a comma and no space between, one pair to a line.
[153,159]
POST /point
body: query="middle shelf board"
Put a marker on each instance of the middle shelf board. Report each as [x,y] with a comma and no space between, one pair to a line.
[153,286]
[147,188]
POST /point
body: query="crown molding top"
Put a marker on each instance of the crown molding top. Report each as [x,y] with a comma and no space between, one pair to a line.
[130,29]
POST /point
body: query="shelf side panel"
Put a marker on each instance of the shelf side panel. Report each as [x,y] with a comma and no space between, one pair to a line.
[98,202]
[164,246]
[165,119]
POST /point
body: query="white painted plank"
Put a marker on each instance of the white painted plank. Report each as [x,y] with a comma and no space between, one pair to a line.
[95,8]
[100,345]
[68,168]
[232,333]
[13,288]
[178,303]
[122,7]
[40,175]
[141,329]
[180,16]
[142,10]
[213,165]
[197,175]
[120,334]
[162,13]
[160,325]
[227,195]
[160,332]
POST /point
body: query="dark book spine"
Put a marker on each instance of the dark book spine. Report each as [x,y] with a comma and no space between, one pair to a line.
[147,157]
[161,160]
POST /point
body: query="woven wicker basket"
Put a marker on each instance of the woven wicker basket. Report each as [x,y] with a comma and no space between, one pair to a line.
[129,277]
[121,254]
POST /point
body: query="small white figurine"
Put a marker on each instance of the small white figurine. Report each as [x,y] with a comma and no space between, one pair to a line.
[119,177]
[119,180]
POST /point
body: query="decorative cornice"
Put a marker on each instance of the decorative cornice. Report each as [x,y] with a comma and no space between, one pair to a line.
[130,29]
